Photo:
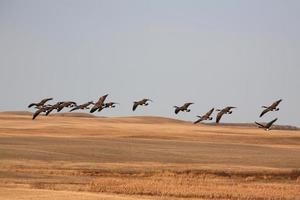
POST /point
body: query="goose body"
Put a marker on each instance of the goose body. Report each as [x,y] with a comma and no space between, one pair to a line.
[143,102]
[66,104]
[226,110]
[183,108]
[53,107]
[110,105]
[207,116]
[82,106]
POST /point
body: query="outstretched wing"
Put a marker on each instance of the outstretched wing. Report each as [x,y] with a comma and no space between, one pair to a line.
[260,125]
[94,108]
[210,112]
[45,100]
[219,116]
[199,120]
[135,105]
[186,105]
[32,104]
[264,112]
[276,103]
[177,109]
[271,123]
[37,113]
[76,108]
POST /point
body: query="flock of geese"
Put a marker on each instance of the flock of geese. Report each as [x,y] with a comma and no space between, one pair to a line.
[43,107]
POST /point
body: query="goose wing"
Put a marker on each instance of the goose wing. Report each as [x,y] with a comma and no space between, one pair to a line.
[32,104]
[186,105]
[219,116]
[177,109]
[260,125]
[45,100]
[135,105]
[199,120]
[76,108]
[276,103]
[264,111]
[94,108]
[271,123]
[37,113]
[210,112]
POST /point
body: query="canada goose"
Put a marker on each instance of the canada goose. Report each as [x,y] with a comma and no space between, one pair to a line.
[41,110]
[110,105]
[82,106]
[66,104]
[107,105]
[53,107]
[267,126]
[226,110]
[207,116]
[142,102]
[41,103]
[272,107]
[183,108]
[99,104]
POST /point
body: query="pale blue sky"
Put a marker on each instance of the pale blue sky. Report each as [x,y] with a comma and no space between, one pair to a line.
[213,53]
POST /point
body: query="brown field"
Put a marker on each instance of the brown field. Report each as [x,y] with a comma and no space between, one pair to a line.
[87,158]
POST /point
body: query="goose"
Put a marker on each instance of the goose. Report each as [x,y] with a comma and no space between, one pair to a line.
[41,110]
[272,107]
[183,108]
[110,105]
[226,110]
[142,102]
[66,104]
[83,106]
[107,105]
[41,103]
[267,126]
[53,107]
[99,104]
[207,116]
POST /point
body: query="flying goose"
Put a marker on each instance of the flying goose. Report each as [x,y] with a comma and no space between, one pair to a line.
[53,107]
[142,102]
[226,110]
[42,109]
[183,108]
[207,116]
[267,126]
[110,105]
[66,104]
[99,104]
[82,106]
[41,103]
[272,107]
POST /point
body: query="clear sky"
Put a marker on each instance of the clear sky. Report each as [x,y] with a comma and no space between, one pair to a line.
[213,53]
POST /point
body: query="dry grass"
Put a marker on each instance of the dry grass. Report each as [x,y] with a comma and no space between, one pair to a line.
[190,186]
[146,157]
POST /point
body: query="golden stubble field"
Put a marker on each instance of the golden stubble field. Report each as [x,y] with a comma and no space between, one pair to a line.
[134,158]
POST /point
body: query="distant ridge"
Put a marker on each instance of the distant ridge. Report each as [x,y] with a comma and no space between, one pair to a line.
[149,120]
